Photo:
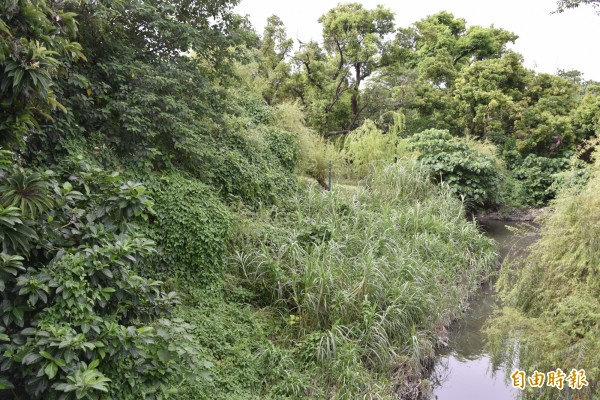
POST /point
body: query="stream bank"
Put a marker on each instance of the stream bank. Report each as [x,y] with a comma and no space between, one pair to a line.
[464,369]
[507,215]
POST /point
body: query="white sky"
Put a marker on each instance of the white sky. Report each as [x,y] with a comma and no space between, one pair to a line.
[548,42]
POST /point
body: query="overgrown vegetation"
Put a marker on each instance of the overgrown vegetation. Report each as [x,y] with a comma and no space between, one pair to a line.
[161,231]
[551,314]
[77,321]
[439,74]
[363,277]
[472,174]
[336,302]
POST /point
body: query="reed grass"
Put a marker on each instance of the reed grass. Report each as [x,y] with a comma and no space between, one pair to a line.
[365,275]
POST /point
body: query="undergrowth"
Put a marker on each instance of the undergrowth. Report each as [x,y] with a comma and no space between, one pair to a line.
[551,316]
[352,285]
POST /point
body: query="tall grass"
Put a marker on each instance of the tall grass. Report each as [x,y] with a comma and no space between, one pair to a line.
[365,276]
[551,317]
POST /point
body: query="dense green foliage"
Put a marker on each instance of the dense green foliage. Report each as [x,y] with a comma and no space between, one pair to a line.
[361,278]
[536,177]
[552,300]
[35,48]
[77,321]
[152,147]
[439,73]
[471,174]
[368,145]
[191,229]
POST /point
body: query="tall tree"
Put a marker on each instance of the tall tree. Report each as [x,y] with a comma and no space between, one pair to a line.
[357,39]
[429,56]
[490,94]
[545,125]
[329,78]
[275,47]
[442,45]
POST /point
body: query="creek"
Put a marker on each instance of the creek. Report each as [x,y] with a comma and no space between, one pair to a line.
[464,369]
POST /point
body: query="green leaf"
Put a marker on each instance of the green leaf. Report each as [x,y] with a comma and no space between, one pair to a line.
[31,358]
[145,330]
[51,370]
[165,355]
[5,384]
[17,77]
[94,364]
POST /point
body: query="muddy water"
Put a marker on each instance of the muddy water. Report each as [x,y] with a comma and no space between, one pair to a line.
[464,370]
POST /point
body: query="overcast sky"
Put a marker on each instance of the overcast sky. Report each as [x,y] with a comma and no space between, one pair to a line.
[548,42]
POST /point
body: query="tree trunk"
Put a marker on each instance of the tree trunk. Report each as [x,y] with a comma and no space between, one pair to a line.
[354,99]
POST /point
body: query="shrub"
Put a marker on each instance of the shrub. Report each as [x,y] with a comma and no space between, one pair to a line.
[241,165]
[284,146]
[367,144]
[191,229]
[75,319]
[536,176]
[470,173]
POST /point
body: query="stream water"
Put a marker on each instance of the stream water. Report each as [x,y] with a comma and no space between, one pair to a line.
[464,370]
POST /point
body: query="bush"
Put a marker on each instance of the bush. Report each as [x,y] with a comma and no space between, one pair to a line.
[367,144]
[248,162]
[470,173]
[536,176]
[191,229]
[284,146]
[75,319]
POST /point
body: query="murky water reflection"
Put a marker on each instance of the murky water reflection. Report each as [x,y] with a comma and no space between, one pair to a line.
[464,370]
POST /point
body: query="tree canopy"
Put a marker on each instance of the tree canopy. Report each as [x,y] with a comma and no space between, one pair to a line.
[563,5]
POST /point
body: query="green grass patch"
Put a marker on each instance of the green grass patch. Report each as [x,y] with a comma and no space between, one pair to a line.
[353,283]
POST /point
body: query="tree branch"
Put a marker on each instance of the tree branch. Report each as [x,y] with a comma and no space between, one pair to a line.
[338,94]
[349,129]
[341,63]
[336,133]
[356,117]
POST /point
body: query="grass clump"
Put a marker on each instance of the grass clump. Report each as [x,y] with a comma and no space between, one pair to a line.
[551,317]
[361,278]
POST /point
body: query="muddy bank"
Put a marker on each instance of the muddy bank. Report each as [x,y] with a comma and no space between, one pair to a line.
[512,215]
